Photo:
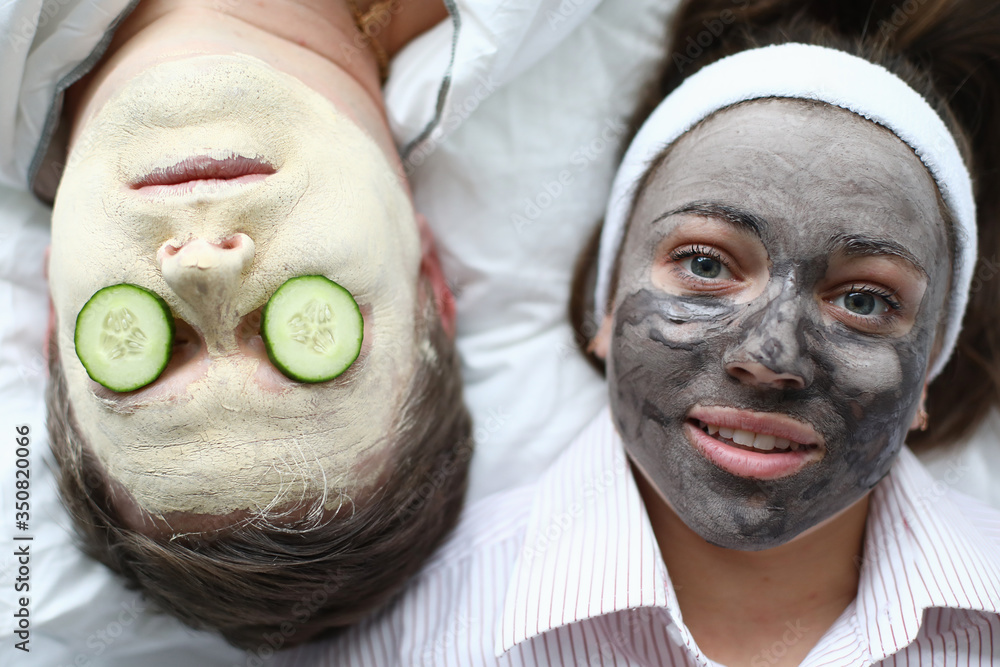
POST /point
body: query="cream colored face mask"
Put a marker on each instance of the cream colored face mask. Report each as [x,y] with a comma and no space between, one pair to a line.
[222,430]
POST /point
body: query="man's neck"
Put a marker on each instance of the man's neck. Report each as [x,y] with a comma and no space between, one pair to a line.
[738,604]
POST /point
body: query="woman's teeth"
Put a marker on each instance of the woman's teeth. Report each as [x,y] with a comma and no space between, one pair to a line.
[759,441]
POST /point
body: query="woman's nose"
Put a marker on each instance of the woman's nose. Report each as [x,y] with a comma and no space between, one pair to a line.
[759,375]
[769,354]
[207,276]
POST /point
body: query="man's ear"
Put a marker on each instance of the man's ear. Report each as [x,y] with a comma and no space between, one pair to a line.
[601,342]
[430,266]
[919,422]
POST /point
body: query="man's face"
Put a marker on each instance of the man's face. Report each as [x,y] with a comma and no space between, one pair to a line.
[222,430]
[777,305]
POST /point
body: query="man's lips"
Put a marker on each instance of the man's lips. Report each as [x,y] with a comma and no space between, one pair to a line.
[201,169]
[759,445]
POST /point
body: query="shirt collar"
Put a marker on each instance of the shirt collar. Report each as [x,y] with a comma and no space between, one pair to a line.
[921,552]
[590,550]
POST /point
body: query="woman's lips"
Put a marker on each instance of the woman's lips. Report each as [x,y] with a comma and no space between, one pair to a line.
[774,446]
[768,423]
[203,172]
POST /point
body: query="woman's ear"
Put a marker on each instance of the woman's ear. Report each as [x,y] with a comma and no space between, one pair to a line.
[601,342]
[919,422]
[430,266]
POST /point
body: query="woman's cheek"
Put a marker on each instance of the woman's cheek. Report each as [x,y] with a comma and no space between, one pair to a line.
[662,347]
[859,368]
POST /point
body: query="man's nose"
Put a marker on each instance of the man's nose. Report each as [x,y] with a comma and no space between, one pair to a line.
[207,276]
[769,354]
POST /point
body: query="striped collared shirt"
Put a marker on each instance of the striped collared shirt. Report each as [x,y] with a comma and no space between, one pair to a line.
[567,571]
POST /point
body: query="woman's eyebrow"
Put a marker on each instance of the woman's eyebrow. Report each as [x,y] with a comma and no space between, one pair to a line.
[739,218]
[865,246]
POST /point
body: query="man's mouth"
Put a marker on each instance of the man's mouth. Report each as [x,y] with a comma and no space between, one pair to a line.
[202,171]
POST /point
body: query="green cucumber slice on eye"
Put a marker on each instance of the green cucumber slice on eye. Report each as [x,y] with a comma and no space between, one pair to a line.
[124,336]
[312,329]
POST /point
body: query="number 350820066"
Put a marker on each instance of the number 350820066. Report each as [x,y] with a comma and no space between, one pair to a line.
[22,478]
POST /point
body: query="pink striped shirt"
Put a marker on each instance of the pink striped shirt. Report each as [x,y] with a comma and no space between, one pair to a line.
[567,571]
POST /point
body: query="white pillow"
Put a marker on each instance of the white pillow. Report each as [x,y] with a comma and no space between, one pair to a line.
[512,196]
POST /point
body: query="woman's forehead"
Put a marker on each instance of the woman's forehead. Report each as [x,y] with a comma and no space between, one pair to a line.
[811,171]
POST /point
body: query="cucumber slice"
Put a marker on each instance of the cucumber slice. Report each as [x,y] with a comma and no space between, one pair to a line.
[312,329]
[124,335]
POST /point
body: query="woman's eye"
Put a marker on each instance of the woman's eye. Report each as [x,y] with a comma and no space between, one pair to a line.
[862,303]
[702,269]
[707,267]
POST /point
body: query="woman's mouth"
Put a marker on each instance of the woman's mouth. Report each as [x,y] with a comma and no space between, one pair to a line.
[203,172]
[750,441]
[757,445]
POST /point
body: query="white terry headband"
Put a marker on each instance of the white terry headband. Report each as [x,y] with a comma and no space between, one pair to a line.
[808,72]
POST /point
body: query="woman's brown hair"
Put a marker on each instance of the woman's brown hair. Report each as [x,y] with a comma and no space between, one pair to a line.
[947,50]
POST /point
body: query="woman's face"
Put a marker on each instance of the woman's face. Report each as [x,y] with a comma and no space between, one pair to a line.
[777,305]
[222,430]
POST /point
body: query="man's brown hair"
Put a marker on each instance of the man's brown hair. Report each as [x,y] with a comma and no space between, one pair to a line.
[266,584]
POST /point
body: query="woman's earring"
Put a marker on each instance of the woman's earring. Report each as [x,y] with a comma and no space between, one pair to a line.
[922,418]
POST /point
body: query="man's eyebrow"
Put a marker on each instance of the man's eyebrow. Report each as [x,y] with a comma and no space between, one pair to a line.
[737,217]
[865,246]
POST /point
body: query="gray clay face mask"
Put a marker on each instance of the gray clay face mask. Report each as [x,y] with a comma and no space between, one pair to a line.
[783,275]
